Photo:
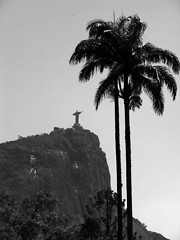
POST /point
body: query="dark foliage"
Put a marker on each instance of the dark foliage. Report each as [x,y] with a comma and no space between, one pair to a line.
[35,217]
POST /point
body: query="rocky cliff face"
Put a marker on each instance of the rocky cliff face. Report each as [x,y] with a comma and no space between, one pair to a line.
[69,163]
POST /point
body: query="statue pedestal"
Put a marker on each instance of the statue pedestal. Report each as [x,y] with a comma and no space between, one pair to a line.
[77,126]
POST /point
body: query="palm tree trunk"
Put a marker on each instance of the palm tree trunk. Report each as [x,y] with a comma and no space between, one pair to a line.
[128,169]
[118,166]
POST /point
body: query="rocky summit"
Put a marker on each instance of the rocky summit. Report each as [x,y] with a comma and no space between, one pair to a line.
[67,162]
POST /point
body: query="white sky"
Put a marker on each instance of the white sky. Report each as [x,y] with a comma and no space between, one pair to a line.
[40,90]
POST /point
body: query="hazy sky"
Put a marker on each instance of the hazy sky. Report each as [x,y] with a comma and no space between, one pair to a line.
[40,90]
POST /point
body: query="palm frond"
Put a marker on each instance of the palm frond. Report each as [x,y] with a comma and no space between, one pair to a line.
[135,101]
[84,51]
[120,23]
[130,29]
[92,66]
[108,33]
[149,71]
[157,74]
[97,27]
[135,30]
[154,91]
[107,86]
[167,78]
[102,92]
[91,48]
[152,54]
[135,86]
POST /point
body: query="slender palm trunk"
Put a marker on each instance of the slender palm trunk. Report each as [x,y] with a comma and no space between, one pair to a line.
[118,166]
[128,163]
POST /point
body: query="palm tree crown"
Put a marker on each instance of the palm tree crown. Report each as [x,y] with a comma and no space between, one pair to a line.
[118,47]
[146,67]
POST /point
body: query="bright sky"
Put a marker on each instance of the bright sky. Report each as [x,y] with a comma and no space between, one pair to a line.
[40,90]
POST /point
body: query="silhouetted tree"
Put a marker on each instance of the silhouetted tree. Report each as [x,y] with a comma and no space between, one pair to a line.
[133,68]
[103,209]
[138,68]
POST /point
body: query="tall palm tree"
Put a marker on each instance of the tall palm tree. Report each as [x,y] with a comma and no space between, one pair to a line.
[98,53]
[133,68]
[142,68]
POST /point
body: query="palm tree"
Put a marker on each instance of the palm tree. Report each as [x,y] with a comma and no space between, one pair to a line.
[141,68]
[133,68]
[98,52]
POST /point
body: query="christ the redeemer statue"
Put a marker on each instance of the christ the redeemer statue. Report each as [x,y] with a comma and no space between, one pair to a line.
[76,114]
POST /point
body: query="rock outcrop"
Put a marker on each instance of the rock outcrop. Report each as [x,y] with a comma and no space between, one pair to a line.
[67,162]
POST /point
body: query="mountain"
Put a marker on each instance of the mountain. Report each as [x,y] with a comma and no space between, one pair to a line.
[141,232]
[67,162]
